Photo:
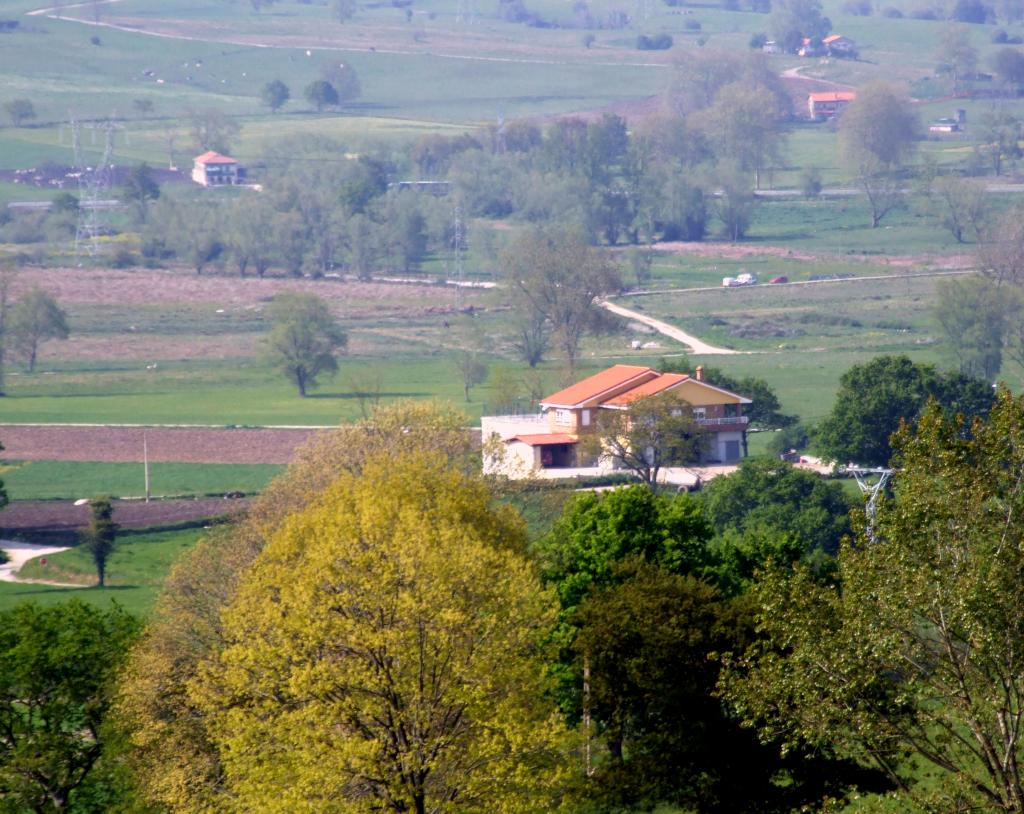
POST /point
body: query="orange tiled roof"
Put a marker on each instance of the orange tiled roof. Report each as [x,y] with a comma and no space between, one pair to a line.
[543,439]
[664,382]
[593,386]
[833,38]
[833,96]
[211,157]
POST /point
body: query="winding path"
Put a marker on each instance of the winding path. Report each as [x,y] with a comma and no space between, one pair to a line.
[20,553]
[695,344]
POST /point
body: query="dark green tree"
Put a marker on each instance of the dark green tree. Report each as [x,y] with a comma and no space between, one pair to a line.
[57,666]
[321,94]
[913,650]
[304,339]
[770,494]
[100,537]
[20,111]
[652,645]
[139,189]
[874,397]
[275,95]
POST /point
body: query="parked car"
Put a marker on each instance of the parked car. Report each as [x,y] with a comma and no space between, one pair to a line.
[776,280]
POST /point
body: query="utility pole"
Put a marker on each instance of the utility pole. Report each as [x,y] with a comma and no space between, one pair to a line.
[457,241]
[145,462]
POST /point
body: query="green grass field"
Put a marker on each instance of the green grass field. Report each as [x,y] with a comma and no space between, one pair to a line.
[135,572]
[44,480]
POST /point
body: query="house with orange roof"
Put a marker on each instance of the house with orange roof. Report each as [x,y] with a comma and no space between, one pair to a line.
[828,104]
[548,441]
[211,169]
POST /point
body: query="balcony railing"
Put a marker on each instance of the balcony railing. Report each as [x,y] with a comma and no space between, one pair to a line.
[718,422]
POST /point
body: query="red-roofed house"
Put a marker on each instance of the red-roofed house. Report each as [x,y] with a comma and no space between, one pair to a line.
[215,170]
[548,440]
[828,104]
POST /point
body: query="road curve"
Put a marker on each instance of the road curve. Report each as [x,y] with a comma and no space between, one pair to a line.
[696,346]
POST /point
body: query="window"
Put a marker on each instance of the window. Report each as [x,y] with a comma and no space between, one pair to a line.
[731,410]
[586,418]
[699,412]
[563,416]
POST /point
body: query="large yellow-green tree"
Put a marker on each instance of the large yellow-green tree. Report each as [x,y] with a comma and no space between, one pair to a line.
[382,655]
[171,753]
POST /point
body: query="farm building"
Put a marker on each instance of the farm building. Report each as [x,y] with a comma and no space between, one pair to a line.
[215,170]
[839,46]
[946,126]
[828,104]
[523,446]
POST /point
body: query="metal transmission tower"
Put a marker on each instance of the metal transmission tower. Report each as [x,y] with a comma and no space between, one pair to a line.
[864,478]
[93,185]
[465,12]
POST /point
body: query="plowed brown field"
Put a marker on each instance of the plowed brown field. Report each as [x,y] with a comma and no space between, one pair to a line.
[165,444]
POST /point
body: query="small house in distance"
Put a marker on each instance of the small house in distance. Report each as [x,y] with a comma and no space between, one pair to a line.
[540,445]
[839,46]
[828,104]
[212,169]
[948,126]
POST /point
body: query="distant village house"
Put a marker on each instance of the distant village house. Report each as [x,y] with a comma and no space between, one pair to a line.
[544,443]
[215,170]
[828,104]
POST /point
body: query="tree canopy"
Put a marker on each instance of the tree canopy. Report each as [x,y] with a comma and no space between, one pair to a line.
[555,274]
[57,666]
[171,753]
[655,432]
[913,649]
[382,653]
[35,318]
[876,396]
[304,339]
[770,494]
[275,94]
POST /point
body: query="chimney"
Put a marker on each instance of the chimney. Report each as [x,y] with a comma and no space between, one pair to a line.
[699,373]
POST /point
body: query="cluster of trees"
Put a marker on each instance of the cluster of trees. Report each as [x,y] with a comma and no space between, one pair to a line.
[338,83]
[981,314]
[378,634]
[422,654]
[320,212]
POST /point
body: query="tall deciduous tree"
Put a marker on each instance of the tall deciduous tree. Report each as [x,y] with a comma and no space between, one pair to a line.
[172,753]
[876,396]
[320,93]
[34,319]
[976,315]
[914,649]
[557,275]
[6,302]
[99,538]
[765,493]
[382,654]
[57,666]
[275,95]
[304,339]
[140,188]
[876,134]
[212,129]
[20,111]
[655,432]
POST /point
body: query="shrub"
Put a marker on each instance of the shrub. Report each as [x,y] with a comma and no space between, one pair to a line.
[858,8]
[810,182]
[689,25]
[892,13]
[758,40]
[659,42]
